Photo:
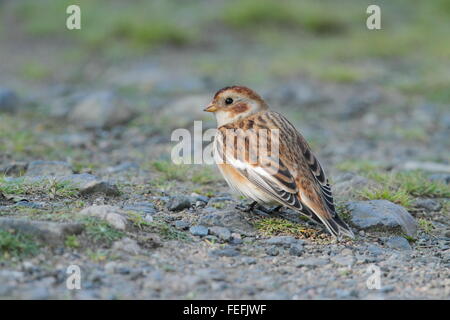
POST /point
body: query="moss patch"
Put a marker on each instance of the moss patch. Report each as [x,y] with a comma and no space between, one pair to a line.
[16,245]
[282,227]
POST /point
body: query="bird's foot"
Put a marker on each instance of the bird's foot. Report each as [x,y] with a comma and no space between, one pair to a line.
[246,208]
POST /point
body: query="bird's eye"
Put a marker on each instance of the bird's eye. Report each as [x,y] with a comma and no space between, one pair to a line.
[228,101]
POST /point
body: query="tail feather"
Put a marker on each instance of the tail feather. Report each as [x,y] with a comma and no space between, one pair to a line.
[337,227]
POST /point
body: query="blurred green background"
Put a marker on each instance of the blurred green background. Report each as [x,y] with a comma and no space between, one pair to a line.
[248,40]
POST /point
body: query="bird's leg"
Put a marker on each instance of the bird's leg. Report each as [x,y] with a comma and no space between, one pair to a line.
[272,210]
[275,209]
[247,208]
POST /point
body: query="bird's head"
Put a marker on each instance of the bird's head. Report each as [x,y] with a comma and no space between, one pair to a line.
[233,103]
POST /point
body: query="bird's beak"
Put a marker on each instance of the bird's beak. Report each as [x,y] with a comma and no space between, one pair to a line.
[210,108]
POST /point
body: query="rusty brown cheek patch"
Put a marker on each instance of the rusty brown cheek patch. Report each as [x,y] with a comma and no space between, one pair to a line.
[238,108]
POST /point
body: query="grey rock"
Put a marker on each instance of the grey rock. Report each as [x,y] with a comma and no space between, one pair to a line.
[296,250]
[102,109]
[181,225]
[381,213]
[272,251]
[227,252]
[48,168]
[398,243]
[178,203]
[428,204]
[229,219]
[52,233]
[200,231]
[221,232]
[141,207]
[9,101]
[249,260]
[311,262]
[440,177]
[103,187]
[113,215]
[342,260]
[127,245]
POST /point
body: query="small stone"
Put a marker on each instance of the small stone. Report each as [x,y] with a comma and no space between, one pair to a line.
[127,245]
[312,262]
[428,204]
[113,215]
[147,208]
[249,260]
[272,251]
[9,101]
[440,177]
[381,213]
[398,243]
[228,219]
[48,168]
[102,109]
[221,232]
[200,231]
[227,252]
[346,252]
[178,203]
[375,250]
[347,260]
[103,187]
[181,225]
[296,250]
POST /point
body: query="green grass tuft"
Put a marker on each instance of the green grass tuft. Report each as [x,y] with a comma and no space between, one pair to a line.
[282,227]
[101,232]
[16,245]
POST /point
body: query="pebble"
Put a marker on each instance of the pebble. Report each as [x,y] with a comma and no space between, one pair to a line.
[200,231]
[9,101]
[178,203]
[272,251]
[398,243]
[296,250]
[428,204]
[111,214]
[311,262]
[181,225]
[227,252]
[221,232]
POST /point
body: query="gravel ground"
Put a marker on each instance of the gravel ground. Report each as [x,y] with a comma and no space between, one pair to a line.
[87,187]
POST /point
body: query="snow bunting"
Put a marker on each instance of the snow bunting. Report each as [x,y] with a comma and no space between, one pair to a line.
[286,173]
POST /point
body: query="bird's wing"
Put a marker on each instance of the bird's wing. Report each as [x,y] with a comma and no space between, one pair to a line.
[292,176]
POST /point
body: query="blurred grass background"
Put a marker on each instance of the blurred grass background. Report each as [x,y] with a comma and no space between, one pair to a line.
[248,39]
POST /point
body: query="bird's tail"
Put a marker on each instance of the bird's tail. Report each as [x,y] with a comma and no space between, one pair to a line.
[337,227]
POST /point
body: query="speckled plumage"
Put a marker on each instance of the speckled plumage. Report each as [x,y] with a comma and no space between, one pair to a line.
[293,177]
